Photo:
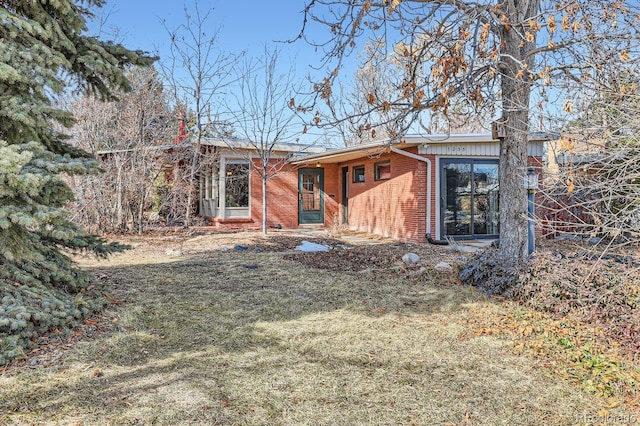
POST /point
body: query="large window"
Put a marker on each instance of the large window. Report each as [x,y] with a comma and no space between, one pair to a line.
[237,185]
[470,205]
[224,190]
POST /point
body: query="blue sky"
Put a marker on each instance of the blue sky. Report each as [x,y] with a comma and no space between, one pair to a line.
[244,26]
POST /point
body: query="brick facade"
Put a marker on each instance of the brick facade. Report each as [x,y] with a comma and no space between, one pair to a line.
[282,201]
[394,207]
[282,197]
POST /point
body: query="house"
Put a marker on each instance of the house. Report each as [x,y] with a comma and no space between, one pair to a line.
[422,187]
[230,190]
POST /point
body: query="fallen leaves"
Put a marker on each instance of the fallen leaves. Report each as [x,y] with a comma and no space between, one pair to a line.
[578,352]
[50,349]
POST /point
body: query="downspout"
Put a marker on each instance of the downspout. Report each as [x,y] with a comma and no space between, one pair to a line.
[428,162]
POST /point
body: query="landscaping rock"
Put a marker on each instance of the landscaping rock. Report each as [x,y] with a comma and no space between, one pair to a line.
[443,267]
[410,259]
[418,271]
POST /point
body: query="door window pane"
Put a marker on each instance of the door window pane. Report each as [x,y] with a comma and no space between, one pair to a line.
[471,198]
[311,192]
[485,205]
[457,217]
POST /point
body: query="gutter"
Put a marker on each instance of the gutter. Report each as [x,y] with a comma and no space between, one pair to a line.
[428,161]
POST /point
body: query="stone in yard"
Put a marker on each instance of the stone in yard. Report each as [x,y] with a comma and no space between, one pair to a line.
[410,259]
[443,267]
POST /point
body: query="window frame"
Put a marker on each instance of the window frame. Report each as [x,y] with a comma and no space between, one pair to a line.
[246,174]
[376,170]
[354,174]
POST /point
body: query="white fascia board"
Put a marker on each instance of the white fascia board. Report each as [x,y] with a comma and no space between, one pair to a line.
[473,138]
[247,145]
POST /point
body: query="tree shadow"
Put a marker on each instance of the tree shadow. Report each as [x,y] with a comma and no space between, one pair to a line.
[205,310]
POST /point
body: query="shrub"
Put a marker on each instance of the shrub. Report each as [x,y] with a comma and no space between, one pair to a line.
[599,291]
[28,314]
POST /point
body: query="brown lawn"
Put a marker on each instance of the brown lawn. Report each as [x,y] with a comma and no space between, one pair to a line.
[203,333]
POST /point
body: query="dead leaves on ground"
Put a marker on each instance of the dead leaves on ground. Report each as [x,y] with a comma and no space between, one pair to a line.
[569,348]
[50,349]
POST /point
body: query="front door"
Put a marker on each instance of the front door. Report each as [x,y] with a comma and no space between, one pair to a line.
[311,196]
[470,198]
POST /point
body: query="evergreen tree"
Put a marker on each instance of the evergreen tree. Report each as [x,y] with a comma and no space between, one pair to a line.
[44,52]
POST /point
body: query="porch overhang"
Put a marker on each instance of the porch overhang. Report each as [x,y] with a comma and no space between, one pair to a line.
[422,141]
[353,152]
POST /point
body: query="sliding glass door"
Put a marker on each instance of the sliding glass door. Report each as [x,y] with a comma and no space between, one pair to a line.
[469,198]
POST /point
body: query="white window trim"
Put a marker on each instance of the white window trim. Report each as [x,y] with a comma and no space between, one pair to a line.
[224,211]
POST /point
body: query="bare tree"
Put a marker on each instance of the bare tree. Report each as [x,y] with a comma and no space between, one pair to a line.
[198,73]
[378,78]
[126,135]
[498,58]
[593,178]
[375,78]
[264,117]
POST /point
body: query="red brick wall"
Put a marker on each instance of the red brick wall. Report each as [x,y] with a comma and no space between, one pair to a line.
[331,194]
[395,207]
[282,197]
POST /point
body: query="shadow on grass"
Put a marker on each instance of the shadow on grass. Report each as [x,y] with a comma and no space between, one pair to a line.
[249,338]
[214,299]
[211,304]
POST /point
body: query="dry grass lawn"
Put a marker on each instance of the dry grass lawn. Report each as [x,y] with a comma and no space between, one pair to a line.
[206,336]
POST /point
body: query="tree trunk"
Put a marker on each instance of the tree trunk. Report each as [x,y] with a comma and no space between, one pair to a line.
[119,213]
[191,186]
[264,202]
[516,93]
[192,174]
[141,214]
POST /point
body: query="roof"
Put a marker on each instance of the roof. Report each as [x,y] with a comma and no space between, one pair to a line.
[382,146]
[475,137]
[353,152]
[233,143]
[294,148]
[146,147]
